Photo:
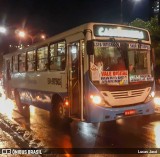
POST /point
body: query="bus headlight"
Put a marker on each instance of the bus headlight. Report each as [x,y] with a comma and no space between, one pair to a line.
[96,99]
[157,101]
[150,96]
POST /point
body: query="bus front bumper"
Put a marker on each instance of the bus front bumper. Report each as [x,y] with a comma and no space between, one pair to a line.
[102,114]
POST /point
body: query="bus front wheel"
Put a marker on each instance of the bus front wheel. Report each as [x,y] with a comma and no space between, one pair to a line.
[57,114]
[18,102]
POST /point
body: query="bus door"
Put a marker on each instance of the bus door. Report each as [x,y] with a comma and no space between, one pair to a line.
[74,80]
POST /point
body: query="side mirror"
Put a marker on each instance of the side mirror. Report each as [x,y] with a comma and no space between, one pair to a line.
[90,47]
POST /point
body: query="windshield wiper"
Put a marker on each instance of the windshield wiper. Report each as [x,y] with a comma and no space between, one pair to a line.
[122,48]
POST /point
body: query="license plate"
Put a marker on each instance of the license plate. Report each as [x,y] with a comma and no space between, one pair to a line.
[129,112]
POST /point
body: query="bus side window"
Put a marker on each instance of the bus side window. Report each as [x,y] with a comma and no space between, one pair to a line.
[22,62]
[42,58]
[31,60]
[57,56]
[15,63]
[8,70]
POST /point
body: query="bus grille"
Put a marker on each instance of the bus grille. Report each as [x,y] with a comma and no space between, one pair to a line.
[119,98]
[127,94]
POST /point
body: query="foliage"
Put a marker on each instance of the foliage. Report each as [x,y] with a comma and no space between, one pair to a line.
[152,26]
[139,23]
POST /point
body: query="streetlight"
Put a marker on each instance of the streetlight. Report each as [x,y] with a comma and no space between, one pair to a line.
[43,36]
[136,1]
[23,34]
[3,30]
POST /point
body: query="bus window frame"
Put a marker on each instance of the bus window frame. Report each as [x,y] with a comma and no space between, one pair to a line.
[36,58]
[32,60]
[13,64]
[21,62]
[56,49]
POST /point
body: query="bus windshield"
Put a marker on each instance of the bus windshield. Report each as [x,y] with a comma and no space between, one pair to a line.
[114,67]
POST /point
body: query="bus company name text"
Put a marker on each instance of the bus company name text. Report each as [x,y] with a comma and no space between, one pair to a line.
[54,81]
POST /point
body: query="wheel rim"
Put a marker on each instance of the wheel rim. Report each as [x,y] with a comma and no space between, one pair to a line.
[61,111]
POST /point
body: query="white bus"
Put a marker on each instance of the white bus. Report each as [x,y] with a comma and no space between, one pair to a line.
[94,72]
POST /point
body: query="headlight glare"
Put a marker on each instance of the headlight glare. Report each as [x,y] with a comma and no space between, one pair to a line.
[150,96]
[157,101]
[96,99]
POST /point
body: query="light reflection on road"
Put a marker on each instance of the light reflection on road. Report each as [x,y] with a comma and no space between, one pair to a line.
[6,105]
[157,134]
[126,133]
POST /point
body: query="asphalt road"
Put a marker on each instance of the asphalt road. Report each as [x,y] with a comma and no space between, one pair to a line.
[135,132]
[124,134]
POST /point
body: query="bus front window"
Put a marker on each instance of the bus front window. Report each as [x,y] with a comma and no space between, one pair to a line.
[109,58]
[108,66]
[118,67]
[139,65]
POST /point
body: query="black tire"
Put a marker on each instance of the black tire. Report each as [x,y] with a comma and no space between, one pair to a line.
[58,114]
[26,111]
[58,111]
[18,102]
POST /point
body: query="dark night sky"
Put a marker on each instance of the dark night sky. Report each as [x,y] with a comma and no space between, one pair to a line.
[54,16]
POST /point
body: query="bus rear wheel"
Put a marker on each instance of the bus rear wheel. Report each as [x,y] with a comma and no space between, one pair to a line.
[22,108]
[18,102]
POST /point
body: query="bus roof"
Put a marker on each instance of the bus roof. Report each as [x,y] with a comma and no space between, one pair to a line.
[81,28]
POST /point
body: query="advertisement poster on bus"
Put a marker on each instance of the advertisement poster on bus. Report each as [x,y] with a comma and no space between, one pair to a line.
[114,77]
[109,77]
[144,77]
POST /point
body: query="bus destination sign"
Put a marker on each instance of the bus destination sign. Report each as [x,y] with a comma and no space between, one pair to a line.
[119,31]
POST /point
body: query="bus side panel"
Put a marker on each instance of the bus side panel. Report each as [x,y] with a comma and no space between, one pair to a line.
[95,113]
[39,99]
[38,88]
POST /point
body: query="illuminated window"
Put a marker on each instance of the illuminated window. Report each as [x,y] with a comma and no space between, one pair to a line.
[15,63]
[31,64]
[42,58]
[57,56]
[22,62]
